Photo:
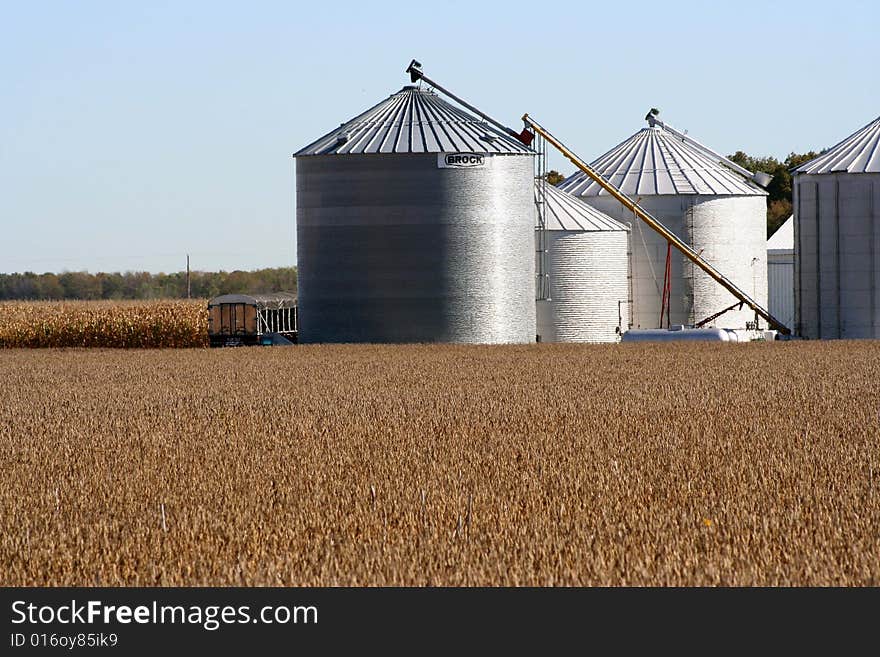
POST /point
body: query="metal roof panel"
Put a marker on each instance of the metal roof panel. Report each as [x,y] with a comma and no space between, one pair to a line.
[858,153]
[414,120]
[654,162]
[563,211]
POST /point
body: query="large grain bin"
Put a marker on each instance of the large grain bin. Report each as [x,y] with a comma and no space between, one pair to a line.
[718,212]
[780,273]
[415,223]
[588,267]
[837,239]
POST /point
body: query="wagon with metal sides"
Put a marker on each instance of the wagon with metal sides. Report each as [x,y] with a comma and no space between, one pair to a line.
[236,320]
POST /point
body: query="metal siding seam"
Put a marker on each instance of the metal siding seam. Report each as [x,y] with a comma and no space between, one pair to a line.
[405,128]
[438,118]
[818,268]
[617,166]
[688,264]
[799,250]
[375,130]
[657,185]
[410,128]
[872,218]
[448,129]
[837,251]
[688,168]
[419,113]
[464,128]
[875,149]
[645,150]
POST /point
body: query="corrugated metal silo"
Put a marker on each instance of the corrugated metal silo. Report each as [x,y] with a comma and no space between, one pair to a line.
[780,273]
[588,267]
[708,205]
[837,239]
[415,223]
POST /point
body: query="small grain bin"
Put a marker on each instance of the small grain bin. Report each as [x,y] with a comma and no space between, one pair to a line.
[780,273]
[720,213]
[415,223]
[837,239]
[588,268]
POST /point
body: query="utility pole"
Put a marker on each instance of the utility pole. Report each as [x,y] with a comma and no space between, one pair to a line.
[187,277]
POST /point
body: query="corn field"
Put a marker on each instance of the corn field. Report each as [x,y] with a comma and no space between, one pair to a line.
[557,465]
[115,324]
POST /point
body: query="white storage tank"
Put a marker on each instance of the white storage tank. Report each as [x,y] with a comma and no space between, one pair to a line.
[837,239]
[415,223]
[716,210]
[587,267]
[780,273]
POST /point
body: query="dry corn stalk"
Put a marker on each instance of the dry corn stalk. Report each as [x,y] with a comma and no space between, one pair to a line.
[114,324]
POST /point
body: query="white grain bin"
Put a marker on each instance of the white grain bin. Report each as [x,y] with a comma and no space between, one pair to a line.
[716,210]
[837,239]
[780,273]
[415,223]
[587,267]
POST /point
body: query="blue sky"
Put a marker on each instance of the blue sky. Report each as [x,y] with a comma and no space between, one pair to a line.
[133,133]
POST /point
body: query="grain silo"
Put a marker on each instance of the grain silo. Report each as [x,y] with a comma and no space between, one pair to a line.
[780,273]
[837,239]
[415,223]
[588,267]
[715,209]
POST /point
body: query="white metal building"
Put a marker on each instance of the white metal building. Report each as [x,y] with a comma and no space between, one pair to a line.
[780,273]
[717,210]
[837,239]
[588,267]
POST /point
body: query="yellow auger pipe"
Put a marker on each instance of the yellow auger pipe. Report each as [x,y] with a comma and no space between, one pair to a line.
[634,207]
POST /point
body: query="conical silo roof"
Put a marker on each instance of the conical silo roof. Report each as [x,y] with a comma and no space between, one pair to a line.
[858,153]
[414,120]
[656,162]
[563,211]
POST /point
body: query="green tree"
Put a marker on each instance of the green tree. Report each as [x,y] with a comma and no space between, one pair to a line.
[554,177]
[50,287]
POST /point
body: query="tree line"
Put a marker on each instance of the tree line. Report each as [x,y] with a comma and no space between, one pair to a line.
[144,285]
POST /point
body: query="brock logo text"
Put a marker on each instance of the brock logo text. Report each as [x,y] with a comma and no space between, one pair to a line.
[464,160]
